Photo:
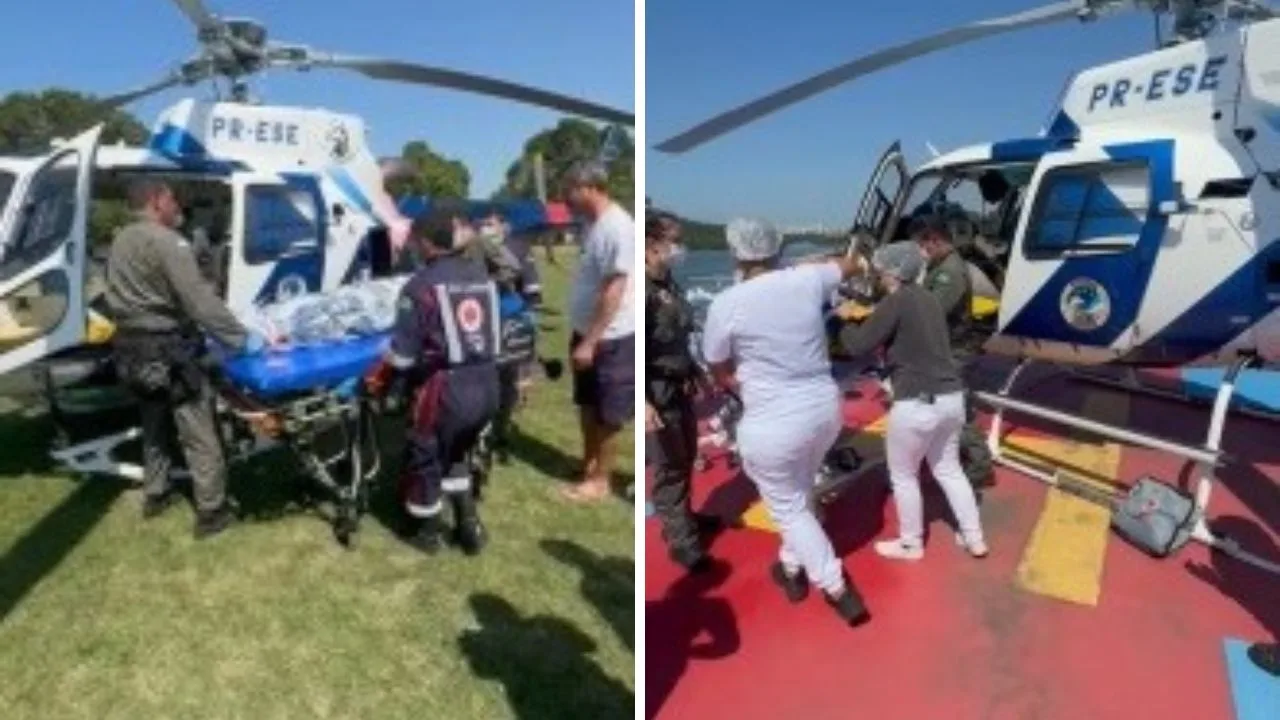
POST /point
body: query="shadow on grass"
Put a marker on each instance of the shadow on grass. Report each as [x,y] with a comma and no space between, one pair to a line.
[37,553]
[608,583]
[44,546]
[27,441]
[542,456]
[542,663]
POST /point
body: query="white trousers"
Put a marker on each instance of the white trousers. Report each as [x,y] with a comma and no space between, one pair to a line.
[919,431]
[782,458]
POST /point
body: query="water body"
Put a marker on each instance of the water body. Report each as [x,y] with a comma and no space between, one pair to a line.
[706,272]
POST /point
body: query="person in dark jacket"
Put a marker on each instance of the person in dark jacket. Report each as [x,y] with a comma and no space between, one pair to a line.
[928,400]
[947,277]
[443,355]
[670,378]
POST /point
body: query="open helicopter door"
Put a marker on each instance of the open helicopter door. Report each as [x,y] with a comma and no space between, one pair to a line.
[280,230]
[43,239]
[1085,249]
[881,201]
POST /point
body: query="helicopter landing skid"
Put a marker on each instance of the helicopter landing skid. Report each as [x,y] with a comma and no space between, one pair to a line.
[1206,457]
[96,457]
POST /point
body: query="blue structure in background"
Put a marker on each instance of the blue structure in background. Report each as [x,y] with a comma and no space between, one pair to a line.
[524,216]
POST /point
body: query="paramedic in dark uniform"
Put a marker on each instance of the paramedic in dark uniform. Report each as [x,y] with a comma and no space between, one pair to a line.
[670,375]
[160,303]
[443,349]
[947,278]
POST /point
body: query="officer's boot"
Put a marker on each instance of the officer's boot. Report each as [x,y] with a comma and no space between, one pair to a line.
[469,531]
[427,534]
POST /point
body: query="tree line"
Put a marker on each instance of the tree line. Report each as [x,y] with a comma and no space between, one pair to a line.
[30,120]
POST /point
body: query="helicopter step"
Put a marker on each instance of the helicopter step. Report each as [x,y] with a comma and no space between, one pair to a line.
[1132,382]
[1206,457]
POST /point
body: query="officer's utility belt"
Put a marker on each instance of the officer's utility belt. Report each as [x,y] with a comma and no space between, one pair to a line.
[159,363]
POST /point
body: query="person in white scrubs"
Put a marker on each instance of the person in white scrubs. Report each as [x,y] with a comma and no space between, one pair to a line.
[928,410]
[765,337]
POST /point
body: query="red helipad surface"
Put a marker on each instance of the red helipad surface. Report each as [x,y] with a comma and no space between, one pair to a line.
[955,638]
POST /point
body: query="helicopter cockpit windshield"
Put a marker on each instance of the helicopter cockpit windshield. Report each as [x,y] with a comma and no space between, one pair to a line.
[981,204]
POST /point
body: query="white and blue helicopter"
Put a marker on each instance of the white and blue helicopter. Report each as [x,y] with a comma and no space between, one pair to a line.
[1141,228]
[289,199]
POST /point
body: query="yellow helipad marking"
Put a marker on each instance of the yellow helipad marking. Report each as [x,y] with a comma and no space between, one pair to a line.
[1065,556]
[868,443]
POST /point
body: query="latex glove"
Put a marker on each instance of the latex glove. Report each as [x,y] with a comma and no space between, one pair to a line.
[254,344]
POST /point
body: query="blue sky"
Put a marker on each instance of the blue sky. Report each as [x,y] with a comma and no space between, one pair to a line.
[810,162]
[578,47]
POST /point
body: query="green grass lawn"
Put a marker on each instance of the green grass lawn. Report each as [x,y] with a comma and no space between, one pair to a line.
[104,616]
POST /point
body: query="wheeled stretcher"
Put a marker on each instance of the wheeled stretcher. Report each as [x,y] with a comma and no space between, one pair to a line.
[310,400]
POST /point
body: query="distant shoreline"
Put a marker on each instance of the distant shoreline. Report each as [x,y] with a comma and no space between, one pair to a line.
[710,236]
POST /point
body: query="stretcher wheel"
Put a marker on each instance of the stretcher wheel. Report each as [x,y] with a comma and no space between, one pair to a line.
[345,527]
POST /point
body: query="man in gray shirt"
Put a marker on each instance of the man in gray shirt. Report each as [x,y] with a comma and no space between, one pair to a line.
[602,314]
[161,303]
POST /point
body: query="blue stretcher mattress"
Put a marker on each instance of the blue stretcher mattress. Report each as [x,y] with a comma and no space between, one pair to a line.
[336,365]
[278,373]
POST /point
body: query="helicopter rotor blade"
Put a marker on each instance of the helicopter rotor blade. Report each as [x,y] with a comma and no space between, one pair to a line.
[124,98]
[400,71]
[759,108]
[198,14]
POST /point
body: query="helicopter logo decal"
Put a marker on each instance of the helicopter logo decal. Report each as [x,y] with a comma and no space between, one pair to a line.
[1085,304]
[339,140]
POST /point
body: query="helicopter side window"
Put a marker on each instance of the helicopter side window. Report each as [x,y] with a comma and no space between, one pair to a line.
[280,221]
[1092,209]
[45,222]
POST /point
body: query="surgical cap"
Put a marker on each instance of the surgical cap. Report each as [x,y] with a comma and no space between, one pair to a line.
[901,260]
[751,240]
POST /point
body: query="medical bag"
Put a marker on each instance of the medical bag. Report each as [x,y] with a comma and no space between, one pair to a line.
[1155,517]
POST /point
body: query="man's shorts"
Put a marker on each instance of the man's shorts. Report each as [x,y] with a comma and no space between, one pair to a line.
[609,385]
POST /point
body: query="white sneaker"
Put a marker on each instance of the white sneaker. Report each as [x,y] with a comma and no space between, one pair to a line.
[898,550]
[977,549]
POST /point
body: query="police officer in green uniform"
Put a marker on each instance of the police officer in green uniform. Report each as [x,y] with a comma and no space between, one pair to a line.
[947,277]
[162,306]
[670,378]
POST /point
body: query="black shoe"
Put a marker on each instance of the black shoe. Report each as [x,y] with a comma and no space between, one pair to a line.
[848,605]
[795,587]
[428,536]
[213,522]
[154,505]
[1266,657]
[692,559]
[471,535]
[469,532]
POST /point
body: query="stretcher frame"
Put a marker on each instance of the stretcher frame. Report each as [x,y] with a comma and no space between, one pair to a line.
[302,423]
[250,427]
